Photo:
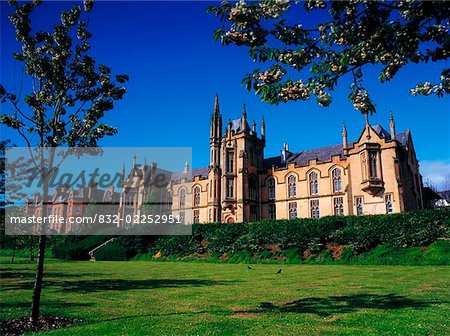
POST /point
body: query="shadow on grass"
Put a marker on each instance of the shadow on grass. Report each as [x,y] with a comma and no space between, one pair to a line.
[44,303]
[91,286]
[323,307]
[332,305]
[28,274]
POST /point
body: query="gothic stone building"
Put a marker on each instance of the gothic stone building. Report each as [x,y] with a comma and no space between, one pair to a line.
[376,174]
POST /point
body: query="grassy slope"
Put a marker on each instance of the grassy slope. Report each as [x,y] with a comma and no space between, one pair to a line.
[137,298]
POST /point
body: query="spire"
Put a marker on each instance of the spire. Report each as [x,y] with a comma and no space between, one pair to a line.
[366,117]
[244,118]
[216,105]
[123,174]
[263,128]
[186,167]
[392,125]
[344,136]
[254,127]
[216,120]
[229,129]
[134,160]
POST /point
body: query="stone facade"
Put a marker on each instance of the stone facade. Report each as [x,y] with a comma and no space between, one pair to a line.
[376,174]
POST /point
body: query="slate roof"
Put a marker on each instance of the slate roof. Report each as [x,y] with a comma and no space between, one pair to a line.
[381,131]
[401,137]
[202,172]
[236,125]
[325,153]
[302,158]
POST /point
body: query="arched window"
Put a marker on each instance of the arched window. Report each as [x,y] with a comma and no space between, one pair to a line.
[292,210]
[338,204]
[182,198]
[313,183]
[230,188]
[229,162]
[388,201]
[252,188]
[373,164]
[292,185]
[315,211]
[337,180]
[271,185]
[196,196]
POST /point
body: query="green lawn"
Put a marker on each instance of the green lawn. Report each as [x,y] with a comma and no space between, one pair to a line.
[163,298]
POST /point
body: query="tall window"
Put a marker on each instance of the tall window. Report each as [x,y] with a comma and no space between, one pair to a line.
[77,210]
[359,205]
[252,188]
[182,198]
[251,155]
[253,213]
[388,201]
[363,166]
[181,218]
[272,211]
[292,210]
[230,188]
[338,204]
[315,212]
[292,185]
[196,216]
[197,196]
[373,164]
[230,162]
[313,183]
[271,184]
[337,180]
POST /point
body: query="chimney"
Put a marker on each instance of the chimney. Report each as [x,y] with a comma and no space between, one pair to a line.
[186,167]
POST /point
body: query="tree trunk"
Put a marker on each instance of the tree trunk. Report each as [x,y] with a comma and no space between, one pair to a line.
[31,249]
[13,252]
[36,304]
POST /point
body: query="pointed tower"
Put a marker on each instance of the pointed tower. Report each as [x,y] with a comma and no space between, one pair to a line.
[244,119]
[392,125]
[214,186]
[344,135]
[215,134]
[263,129]
[344,138]
[367,125]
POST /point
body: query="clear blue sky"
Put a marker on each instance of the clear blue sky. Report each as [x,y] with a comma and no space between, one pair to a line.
[176,68]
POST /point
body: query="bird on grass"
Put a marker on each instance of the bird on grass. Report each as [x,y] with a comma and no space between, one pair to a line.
[279,271]
[249,267]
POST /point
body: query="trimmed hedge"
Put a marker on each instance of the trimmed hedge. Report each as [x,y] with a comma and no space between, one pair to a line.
[358,233]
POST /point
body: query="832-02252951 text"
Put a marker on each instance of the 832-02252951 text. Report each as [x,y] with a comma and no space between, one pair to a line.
[98,219]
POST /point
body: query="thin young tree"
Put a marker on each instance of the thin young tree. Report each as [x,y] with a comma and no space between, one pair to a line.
[69,95]
[304,58]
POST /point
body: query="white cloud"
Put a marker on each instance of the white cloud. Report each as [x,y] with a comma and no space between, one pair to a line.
[436,171]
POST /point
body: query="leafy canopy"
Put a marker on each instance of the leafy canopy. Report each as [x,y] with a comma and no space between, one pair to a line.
[70,92]
[308,61]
